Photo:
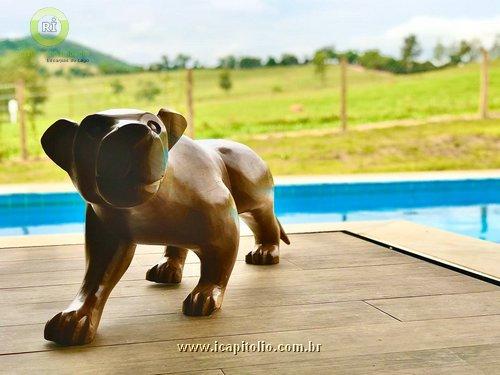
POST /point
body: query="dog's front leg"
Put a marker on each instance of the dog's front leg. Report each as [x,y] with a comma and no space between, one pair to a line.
[108,257]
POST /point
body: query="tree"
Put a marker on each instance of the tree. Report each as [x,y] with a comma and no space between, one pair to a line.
[329,52]
[461,52]
[351,55]
[476,47]
[154,67]
[271,61]
[288,59]
[148,91]
[228,62]
[248,62]
[439,52]
[464,50]
[373,59]
[24,65]
[197,64]
[181,61]
[495,49]
[319,61]
[117,87]
[410,51]
[76,71]
[225,82]
[164,63]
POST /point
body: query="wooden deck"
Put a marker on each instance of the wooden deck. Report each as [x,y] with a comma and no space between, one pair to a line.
[373,310]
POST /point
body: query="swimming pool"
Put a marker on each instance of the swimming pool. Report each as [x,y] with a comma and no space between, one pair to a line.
[465,206]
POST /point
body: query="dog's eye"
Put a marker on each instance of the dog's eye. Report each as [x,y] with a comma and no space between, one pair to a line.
[154,126]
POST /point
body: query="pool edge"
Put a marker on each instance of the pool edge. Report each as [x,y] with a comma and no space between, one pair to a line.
[285,180]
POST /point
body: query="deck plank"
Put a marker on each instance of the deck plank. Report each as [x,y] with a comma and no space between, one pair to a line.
[372,309]
[304,247]
[442,306]
[421,362]
[157,327]
[321,250]
[164,356]
[275,288]
[138,272]
[484,357]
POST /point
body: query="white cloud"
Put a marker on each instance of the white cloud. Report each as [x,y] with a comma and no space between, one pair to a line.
[431,29]
[451,29]
[141,32]
[240,5]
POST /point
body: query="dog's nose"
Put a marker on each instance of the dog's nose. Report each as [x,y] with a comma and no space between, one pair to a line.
[133,133]
[119,148]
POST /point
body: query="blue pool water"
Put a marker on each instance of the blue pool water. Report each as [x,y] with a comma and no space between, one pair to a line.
[469,207]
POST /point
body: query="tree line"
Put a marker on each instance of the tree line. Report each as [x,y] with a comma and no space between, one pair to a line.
[407,62]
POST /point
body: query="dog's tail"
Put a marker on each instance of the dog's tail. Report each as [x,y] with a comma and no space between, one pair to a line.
[283,235]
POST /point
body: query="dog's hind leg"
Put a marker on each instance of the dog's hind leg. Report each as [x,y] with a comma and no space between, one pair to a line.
[266,230]
[217,258]
[169,269]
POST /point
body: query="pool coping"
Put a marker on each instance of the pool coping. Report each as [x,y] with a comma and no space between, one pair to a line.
[470,255]
[389,177]
[65,187]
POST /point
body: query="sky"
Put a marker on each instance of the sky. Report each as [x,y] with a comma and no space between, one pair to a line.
[141,31]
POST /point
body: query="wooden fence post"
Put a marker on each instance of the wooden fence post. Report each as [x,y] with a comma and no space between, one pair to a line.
[343,93]
[21,118]
[189,103]
[483,93]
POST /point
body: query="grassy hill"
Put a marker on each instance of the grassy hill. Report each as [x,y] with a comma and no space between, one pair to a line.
[66,48]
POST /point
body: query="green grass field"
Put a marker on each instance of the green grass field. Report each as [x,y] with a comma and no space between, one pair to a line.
[262,100]
[453,145]
[461,145]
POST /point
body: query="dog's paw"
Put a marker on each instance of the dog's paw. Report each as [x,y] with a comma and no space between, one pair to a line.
[165,273]
[203,300]
[264,255]
[70,328]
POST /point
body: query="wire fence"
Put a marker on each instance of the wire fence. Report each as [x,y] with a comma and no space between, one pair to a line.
[26,110]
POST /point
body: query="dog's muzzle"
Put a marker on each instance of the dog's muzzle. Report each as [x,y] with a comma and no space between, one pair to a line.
[130,165]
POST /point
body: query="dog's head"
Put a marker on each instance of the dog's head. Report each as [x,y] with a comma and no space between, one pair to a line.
[116,157]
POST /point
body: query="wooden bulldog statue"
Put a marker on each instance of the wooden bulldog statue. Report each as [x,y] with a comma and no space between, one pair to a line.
[145,183]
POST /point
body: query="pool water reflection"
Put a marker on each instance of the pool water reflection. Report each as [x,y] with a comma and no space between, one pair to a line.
[468,207]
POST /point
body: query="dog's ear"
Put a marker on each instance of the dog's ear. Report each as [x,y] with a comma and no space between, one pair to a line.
[175,124]
[57,142]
